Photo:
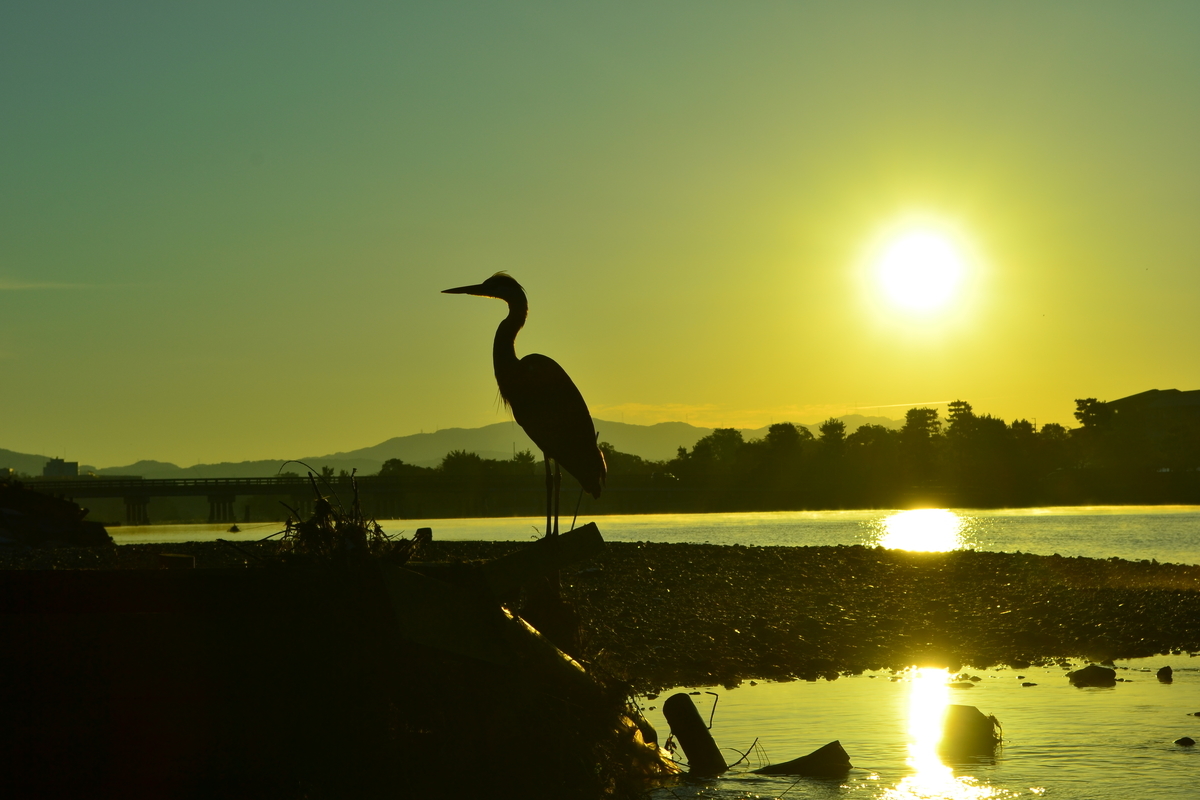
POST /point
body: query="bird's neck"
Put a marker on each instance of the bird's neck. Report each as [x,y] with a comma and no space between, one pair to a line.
[504,351]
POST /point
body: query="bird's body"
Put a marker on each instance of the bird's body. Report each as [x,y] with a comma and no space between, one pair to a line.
[548,406]
[544,400]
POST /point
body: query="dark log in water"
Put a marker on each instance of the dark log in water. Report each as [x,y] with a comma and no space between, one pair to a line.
[703,755]
[828,761]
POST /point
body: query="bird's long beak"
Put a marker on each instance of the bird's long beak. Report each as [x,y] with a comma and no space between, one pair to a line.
[476,290]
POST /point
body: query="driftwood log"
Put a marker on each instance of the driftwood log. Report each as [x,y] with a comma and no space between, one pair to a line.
[829,761]
[703,755]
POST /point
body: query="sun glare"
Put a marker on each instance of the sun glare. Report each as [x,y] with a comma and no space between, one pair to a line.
[936,530]
[920,270]
[929,698]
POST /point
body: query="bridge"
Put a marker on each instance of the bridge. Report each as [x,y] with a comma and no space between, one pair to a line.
[381,497]
[222,493]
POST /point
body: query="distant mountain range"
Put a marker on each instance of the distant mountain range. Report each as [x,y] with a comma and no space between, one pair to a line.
[499,441]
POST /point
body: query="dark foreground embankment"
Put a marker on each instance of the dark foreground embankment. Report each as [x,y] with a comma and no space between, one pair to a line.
[670,614]
[349,678]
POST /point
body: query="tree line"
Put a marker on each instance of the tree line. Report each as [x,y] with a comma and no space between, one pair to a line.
[964,459]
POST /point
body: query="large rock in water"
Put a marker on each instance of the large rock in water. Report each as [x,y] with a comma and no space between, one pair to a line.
[1093,675]
[830,761]
[968,733]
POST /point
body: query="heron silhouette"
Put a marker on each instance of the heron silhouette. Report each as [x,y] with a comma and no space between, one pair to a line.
[544,400]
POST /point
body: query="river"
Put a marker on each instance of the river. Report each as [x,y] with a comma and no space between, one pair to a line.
[1163,533]
[1058,742]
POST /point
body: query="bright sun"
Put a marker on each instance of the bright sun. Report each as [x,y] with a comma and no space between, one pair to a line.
[920,270]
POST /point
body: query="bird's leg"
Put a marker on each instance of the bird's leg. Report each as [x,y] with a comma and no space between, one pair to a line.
[549,493]
[557,494]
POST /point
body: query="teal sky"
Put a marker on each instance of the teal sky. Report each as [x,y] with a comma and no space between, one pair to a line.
[226,225]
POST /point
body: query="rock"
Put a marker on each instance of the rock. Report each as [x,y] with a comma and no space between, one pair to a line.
[1185,741]
[1165,675]
[967,732]
[830,761]
[1092,675]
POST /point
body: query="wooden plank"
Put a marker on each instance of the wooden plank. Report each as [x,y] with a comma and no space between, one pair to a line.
[541,558]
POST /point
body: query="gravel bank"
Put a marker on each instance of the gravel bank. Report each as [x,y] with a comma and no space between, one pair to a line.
[671,614]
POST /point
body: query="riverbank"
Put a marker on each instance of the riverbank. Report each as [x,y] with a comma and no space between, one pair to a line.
[659,615]
[699,614]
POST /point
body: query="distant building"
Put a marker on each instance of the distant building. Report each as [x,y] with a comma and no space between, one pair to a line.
[1167,424]
[57,468]
[1161,407]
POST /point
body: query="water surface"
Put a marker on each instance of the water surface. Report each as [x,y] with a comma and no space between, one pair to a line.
[1059,741]
[1164,533]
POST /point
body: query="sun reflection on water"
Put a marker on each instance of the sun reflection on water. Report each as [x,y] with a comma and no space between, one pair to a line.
[929,697]
[936,530]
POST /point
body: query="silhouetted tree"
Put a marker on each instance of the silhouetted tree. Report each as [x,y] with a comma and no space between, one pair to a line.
[959,416]
[872,466]
[1093,414]
[1095,437]
[722,445]
[960,429]
[787,437]
[921,426]
[833,434]
[394,467]
[1055,450]
[462,463]
[626,463]
[777,464]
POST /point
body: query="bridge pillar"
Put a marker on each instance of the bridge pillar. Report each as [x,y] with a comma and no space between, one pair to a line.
[137,510]
[303,505]
[220,508]
[385,505]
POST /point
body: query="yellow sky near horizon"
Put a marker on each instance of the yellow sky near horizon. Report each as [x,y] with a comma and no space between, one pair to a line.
[226,228]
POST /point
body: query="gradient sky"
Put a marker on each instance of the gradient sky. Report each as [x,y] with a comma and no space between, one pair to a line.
[225,226]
